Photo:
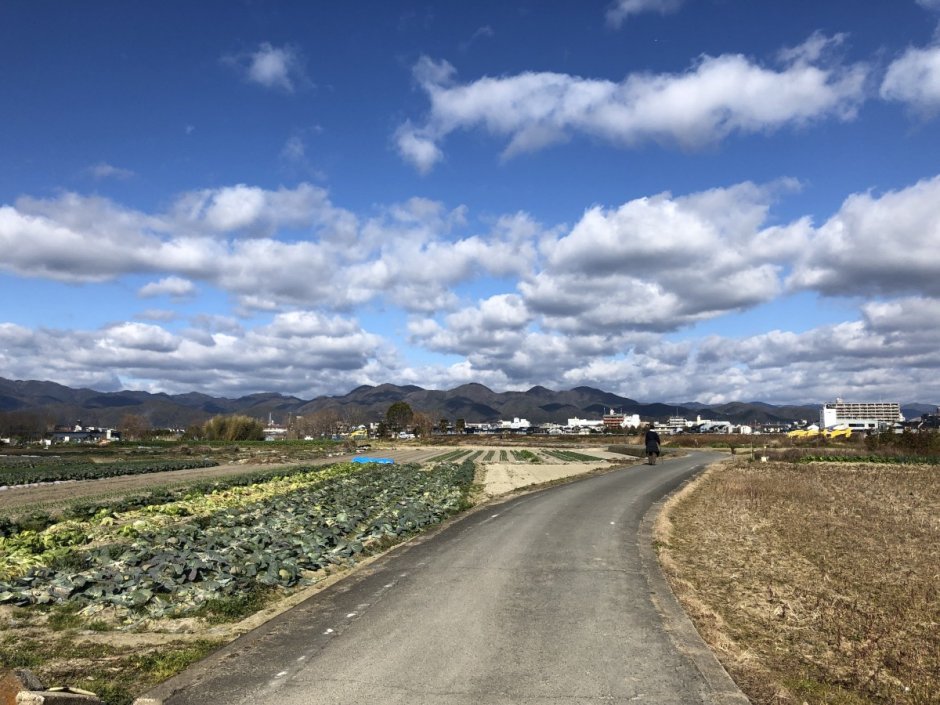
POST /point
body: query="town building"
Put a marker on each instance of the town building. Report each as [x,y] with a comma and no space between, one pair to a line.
[575,425]
[616,422]
[860,416]
[84,434]
[516,424]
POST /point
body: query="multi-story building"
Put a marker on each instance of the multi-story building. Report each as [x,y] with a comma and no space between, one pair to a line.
[620,421]
[860,415]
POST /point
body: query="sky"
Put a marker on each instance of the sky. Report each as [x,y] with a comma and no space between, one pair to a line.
[672,200]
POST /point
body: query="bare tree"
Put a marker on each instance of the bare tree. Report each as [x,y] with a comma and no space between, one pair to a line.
[422,424]
[134,427]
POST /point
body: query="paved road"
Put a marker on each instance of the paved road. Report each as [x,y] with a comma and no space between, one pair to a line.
[539,599]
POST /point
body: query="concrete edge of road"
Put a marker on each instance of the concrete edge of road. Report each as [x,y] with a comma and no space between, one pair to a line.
[722,690]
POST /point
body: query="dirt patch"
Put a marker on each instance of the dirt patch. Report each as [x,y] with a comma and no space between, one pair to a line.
[813,583]
[522,471]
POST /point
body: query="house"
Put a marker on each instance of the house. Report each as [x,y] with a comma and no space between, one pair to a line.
[84,434]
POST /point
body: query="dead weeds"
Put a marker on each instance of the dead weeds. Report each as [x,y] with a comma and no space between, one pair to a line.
[814,583]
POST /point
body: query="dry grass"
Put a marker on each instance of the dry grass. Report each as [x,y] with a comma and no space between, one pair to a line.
[814,583]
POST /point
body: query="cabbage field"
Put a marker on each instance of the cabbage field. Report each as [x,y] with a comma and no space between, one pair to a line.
[22,470]
[167,553]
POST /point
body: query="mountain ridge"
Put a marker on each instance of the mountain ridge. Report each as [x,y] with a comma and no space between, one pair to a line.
[472,402]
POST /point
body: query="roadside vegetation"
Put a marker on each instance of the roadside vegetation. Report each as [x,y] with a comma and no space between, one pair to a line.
[814,582]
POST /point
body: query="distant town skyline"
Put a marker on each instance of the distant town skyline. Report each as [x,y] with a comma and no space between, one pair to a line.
[679,200]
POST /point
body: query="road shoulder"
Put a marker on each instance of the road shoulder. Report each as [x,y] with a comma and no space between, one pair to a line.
[722,689]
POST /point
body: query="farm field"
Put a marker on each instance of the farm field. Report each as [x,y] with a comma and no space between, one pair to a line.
[814,582]
[519,468]
[15,499]
[117,583]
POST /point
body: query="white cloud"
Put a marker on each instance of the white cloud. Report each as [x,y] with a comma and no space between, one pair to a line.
[250,210]
[929,4]
[586,303]
[74,238]
[620,10]
[280,68]
[716,97]
[416,148]
[268,249]
[875,245]
[660,263]
[168,286]
[103,170]
[300,351]
[914,79]
[294,150]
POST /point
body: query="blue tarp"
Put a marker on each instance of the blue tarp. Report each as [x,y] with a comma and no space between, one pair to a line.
[367,459]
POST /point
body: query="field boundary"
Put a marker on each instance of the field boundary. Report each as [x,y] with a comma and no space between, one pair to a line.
[676,621]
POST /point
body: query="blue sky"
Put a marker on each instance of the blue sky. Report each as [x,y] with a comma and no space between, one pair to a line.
[673,200]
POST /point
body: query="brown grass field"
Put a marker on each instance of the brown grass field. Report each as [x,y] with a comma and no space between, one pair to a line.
[813,582]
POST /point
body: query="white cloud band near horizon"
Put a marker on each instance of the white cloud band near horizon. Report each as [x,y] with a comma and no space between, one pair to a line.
[578,303]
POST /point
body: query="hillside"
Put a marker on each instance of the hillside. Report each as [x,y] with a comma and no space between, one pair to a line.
[471,402]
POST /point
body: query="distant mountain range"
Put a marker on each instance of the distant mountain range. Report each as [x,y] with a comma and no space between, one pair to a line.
[471,402]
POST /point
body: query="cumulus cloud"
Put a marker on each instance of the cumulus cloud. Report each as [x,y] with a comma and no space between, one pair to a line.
[176,287]
[587,303]
[75,238]
[254,211]
[297,351]
[417,147]
[914,79]
[661,263]
[929,4]
[876,245]
[715,97]
[280,68]
[268,249]
[620,10]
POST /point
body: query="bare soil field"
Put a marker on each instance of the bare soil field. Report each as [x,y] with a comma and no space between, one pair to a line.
[509,475]
[813,582]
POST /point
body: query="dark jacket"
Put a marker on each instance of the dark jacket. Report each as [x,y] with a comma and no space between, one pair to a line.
[652,441]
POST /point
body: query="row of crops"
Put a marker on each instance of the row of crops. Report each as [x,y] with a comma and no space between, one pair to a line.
[521,456]
[23,471]
[172,555]
[572,456]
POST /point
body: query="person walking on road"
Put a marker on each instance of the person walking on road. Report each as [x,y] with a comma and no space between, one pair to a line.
[652,445]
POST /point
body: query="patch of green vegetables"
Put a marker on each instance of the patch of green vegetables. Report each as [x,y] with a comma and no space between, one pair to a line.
[201,550]
[43,471]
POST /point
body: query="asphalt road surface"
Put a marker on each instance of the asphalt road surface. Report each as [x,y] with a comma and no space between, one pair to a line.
[543,598]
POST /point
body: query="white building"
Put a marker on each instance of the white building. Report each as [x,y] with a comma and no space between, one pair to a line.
[675,424]
[516,424]
[577,424]
[860,416]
